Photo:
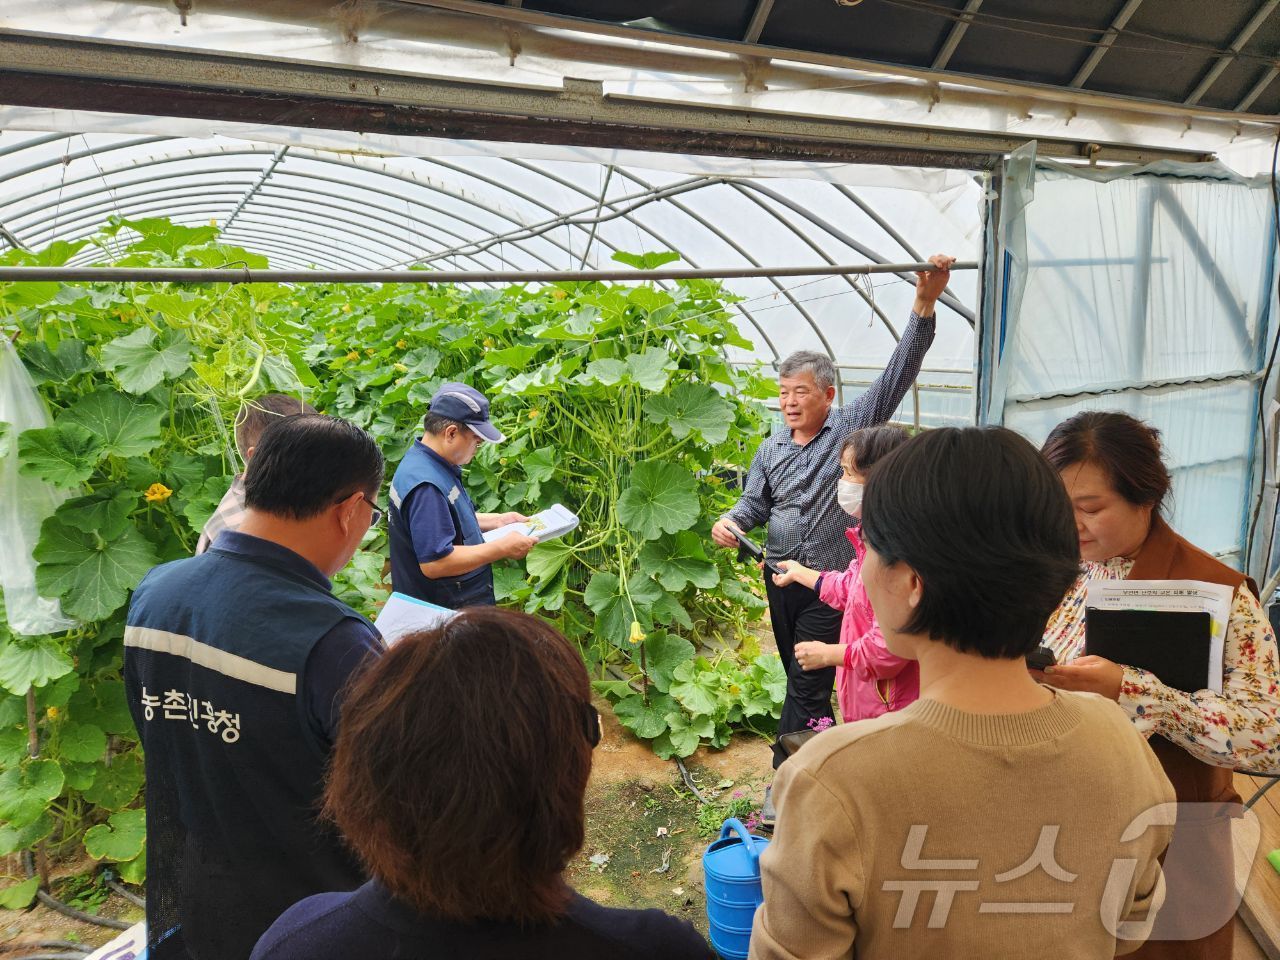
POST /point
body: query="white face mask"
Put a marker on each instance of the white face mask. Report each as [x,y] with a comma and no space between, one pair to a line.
[849,496]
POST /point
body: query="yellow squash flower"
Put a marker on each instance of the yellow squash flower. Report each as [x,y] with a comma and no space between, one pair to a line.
[353,355]
[637,632]
[158,493]
[400,368]
[401,344]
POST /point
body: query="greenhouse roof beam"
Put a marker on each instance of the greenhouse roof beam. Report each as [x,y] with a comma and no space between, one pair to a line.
[1241,38]
[956,34]
[746,312]
[76,154]
[247,275]
[948,298]
[653,195]
[1108,39]
[759,16]
[91,216]
[278,156]
[759,327]
[69,207]
[80,73]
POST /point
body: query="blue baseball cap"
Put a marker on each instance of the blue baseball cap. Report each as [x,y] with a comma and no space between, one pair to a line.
[467,405]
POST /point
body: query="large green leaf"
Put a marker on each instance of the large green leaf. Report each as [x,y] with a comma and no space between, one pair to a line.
[664,652]
[13,839]
[31,661]
[103,703]
[692,407]
[106,512]
[539,465]
[650,369]
[614,613]
[92,576]
[14,747]
[202,500]
[135,870]
[82,742]
[662,498]
[684,734]
[63,455]
[694,689]
[116,786]
[678,561]
[126,427]
[141,360]
[548,559]
[645,719]
[606,371]
[25,791]
[59,365]
[18,896]
[120,838]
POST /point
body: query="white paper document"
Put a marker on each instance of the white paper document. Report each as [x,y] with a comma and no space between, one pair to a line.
[402,615]
[1188,596]
[555,521]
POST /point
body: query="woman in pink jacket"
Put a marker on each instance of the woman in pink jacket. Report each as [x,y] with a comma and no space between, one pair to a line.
[871,680]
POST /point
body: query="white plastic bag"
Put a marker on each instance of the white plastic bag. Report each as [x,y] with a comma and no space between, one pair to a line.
[25,502]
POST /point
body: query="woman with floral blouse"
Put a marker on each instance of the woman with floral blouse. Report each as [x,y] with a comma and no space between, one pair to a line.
[1113,471]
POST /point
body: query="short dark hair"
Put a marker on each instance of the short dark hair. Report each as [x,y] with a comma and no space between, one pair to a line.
[303,464]
[435,424]
[461,766]
[987,525]
[257,414]
[1127,450]
[872,444]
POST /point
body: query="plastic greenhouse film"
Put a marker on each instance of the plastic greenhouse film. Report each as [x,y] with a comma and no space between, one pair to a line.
[25,503]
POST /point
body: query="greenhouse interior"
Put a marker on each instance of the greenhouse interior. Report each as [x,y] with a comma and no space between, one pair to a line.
[666,269]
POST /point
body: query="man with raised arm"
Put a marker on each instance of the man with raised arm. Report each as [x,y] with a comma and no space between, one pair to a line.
[791,487]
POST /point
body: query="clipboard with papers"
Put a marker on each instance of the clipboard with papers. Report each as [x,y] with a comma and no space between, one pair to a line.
[1176,629]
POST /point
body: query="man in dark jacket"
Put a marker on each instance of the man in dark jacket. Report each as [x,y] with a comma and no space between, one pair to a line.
[235,664]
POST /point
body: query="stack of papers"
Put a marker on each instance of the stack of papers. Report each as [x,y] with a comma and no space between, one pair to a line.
[1171,596]
[555,521]
[403,615]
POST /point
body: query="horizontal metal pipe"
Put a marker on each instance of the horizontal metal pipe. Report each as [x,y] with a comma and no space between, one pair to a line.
[246,275]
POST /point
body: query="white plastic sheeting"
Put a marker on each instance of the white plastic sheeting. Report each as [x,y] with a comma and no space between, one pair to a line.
[301,200]
[25,503]
[1148,291]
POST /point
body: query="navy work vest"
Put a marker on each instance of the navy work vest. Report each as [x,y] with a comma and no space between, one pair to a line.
[215,650]
[419,468]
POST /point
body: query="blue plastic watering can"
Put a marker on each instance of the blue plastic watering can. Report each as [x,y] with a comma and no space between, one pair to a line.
[731,872]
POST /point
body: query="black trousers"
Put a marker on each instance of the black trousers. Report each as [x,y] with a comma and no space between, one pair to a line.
[798,615]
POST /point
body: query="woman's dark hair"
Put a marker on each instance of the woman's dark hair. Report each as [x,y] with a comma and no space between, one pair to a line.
[872,444]
[1123,447]
[304,464]
[985,522]
[461,765]
[257,414]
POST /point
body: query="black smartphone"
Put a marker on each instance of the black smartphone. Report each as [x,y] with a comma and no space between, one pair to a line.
[748,549]
[1040,657]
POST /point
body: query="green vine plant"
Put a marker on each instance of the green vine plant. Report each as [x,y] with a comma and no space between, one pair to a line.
[617,400]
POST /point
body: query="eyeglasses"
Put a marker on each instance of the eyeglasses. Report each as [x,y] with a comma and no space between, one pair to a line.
[377,511]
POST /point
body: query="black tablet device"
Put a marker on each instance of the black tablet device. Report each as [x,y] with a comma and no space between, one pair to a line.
[748,549]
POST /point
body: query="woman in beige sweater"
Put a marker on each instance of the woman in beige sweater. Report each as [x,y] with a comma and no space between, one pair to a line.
[995,817]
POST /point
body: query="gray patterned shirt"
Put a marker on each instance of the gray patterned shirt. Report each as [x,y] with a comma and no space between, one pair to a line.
[792,488]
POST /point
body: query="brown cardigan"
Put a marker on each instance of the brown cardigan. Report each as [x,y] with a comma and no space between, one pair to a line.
[1167,556]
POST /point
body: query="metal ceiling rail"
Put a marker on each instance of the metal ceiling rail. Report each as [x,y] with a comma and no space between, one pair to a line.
[82,74]
[246,275]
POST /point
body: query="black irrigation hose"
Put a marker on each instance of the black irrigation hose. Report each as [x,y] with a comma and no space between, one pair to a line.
[129,895]
[74,949]
[67,911]
[50,956]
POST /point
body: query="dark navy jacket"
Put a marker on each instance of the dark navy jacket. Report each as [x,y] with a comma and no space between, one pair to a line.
[420,467]
[216,648]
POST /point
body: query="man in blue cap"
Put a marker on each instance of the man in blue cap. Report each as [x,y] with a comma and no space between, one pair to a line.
[438,551]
